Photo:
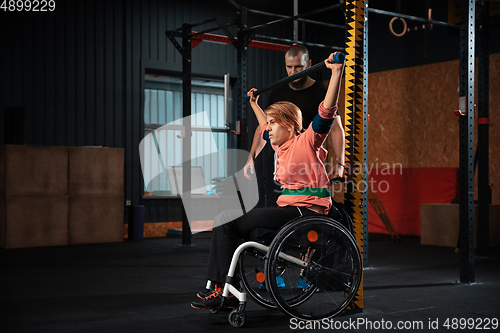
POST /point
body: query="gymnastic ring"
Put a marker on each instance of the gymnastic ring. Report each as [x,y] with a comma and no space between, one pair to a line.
[392,30]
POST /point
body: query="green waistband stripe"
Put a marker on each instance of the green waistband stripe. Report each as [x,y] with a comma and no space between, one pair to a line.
[316,192]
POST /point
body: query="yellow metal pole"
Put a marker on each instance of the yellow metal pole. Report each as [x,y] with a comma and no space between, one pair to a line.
[354,124]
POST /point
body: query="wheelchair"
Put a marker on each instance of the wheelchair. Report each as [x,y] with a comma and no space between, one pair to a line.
[310,269]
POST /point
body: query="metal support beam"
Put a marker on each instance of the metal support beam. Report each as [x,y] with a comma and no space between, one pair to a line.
[482,152]
[354,122]
[242,47]
[365,137]
[186,113]
[324,24]
[466,144]
[186,51]
[226,40]
[291,18]
[181,29]
[295,22]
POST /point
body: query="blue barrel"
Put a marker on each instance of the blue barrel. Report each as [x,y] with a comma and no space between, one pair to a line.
[136,223]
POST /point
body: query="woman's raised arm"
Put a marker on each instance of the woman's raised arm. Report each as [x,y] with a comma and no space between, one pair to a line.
[332,94]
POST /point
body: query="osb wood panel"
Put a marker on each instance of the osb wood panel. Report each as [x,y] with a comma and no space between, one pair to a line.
[96,171]
[411,116]
[30,170]
[494,132]
[412,121]
[29,221]
[95,219]
[439,227]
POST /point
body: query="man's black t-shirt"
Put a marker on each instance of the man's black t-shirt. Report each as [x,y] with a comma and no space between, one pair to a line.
[307,99]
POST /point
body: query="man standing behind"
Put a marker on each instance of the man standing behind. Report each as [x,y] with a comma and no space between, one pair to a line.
[307,94]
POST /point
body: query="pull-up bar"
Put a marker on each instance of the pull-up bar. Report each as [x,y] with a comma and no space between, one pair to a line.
[337,48]
[291,18]
[178,32]
[204,34]
[197,24]
[330,25]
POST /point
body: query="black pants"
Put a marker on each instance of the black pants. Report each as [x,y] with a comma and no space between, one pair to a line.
[227,236]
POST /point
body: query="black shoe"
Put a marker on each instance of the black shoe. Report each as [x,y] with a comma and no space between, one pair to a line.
[211,301]
[214,300]
[205,293]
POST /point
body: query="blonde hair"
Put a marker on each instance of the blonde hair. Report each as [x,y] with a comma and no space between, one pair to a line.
[286,114]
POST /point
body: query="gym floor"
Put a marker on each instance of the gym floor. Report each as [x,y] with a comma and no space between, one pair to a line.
[147,286]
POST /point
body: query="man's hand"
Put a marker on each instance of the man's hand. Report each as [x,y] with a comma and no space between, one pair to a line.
[248,169]
[252,99]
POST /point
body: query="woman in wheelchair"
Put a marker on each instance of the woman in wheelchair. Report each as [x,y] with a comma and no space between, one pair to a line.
[299,167]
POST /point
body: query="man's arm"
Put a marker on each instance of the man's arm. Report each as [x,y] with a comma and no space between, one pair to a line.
[258,144]
[259,113]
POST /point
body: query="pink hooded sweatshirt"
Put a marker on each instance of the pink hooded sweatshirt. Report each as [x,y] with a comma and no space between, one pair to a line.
[299,162]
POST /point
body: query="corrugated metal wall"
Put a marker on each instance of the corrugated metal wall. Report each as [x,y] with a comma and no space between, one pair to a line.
[78,73]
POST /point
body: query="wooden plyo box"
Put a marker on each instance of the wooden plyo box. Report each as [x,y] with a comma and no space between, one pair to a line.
[96,171]
[440,224]
[33,170]
[96,187]
[33,196]
[95,219]
[60,195]
[30,221]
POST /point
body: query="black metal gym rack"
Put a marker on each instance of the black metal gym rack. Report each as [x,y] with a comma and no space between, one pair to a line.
[468,51]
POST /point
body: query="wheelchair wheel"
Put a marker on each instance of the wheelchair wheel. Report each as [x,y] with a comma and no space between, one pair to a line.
[251,266]
[331,278]
[236,318]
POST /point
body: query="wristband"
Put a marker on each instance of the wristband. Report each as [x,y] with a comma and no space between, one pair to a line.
[341,164]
